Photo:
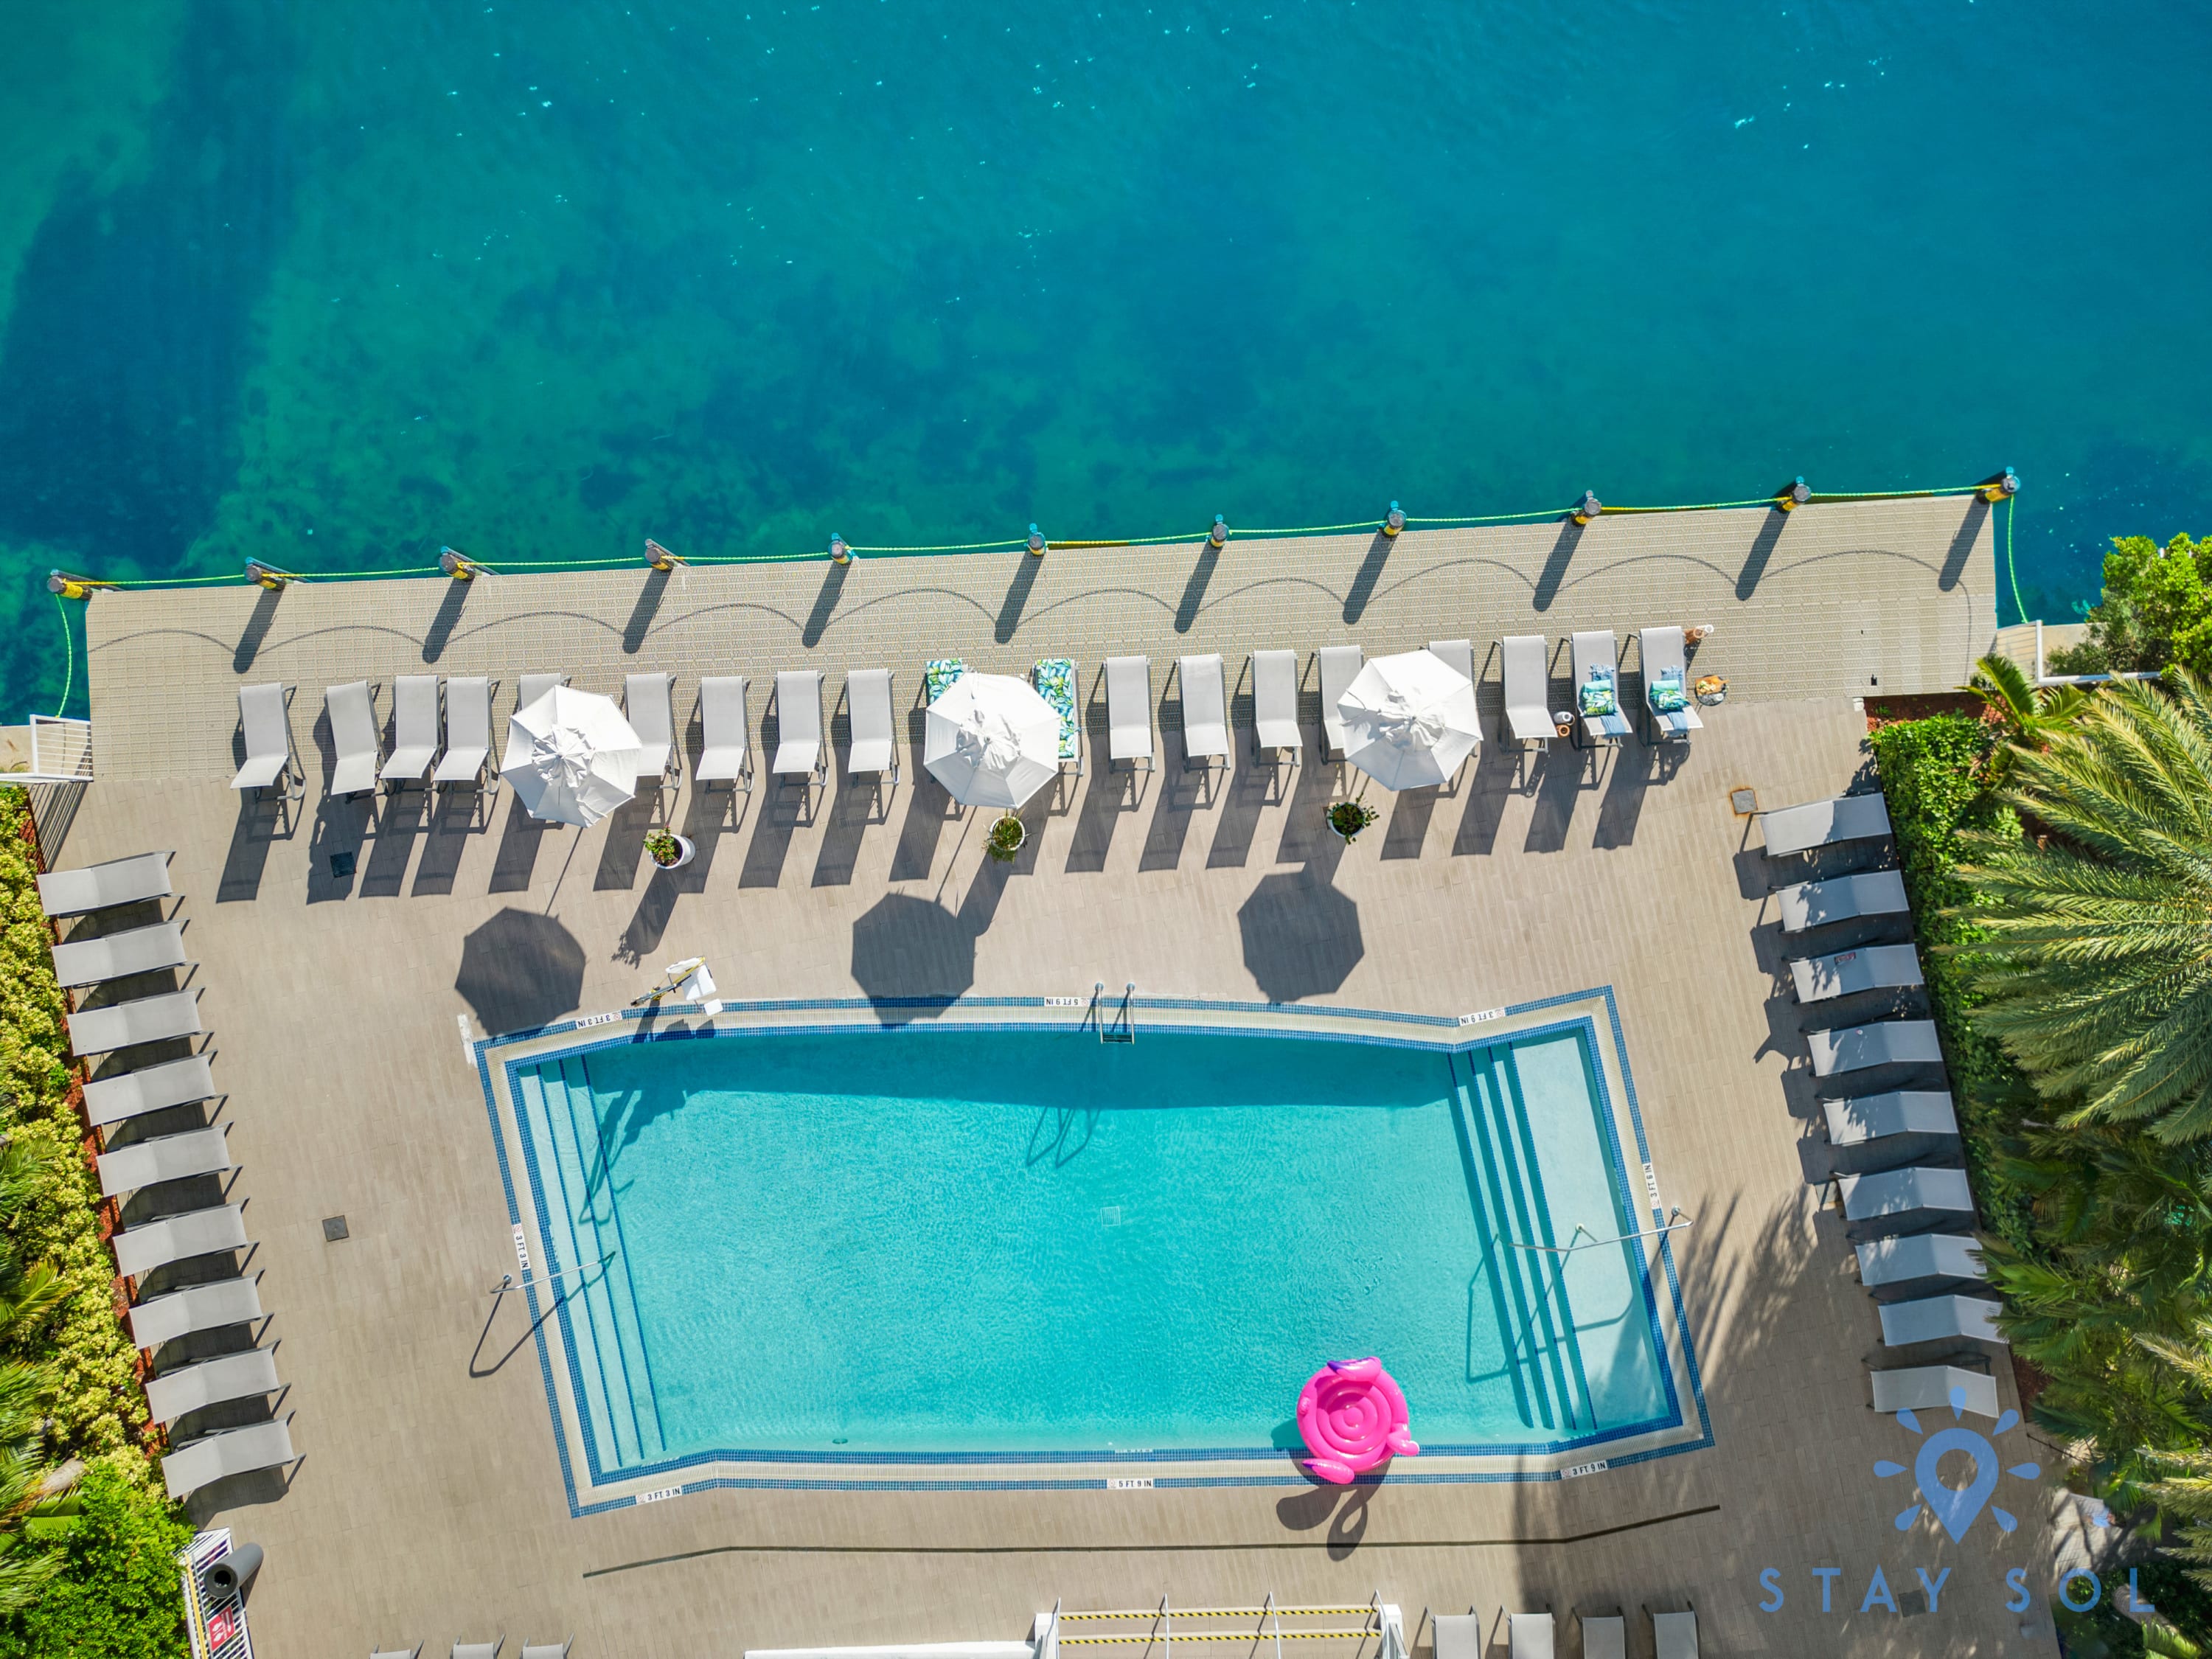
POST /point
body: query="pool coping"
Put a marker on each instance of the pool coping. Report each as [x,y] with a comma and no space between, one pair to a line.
[589,1491]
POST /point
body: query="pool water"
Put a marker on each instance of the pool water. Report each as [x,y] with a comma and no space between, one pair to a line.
[986,1243]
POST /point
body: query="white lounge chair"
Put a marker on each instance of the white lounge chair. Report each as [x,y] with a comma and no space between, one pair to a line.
[210,1382]
[199,1308]
[648,704]
[1666,664]
[139,950]
[1054,679]
[548,1649]
[1528,688]
[149,1019]
[415,1652]
[1458,655]
[1842,898]
[480,1649]
[1824,823]
[1458,1635]
[1869,968]
[1597,662]
[798,719]
[1605,1637]
[1675,1635]
[352,710]
[264,721]
[235,1452]
[89,887]
[1904,1192]
[1530,1635]
[534,686]
[724,755]
[1942,1318]
[414,731]
[151,1244]
[1900,1112]
[1930,1388]
[1205,711]
[1340,665]
[1919,1255]
[467,758]
[164,1157]
[1275,704]
[874,747]
[1884,1043]
[149,1089]
[1130,711]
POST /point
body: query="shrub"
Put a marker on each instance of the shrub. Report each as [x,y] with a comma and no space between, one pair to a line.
[2156,608]
[98,1407]
[1931,772]
[117,1595]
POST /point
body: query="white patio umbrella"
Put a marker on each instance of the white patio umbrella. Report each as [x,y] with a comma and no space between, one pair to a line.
[571,757]
[991,740]
[1409,720]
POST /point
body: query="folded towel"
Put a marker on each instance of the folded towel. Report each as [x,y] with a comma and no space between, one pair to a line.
[1597,695]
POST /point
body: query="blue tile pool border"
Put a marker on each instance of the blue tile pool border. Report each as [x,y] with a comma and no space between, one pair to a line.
[1467,1034]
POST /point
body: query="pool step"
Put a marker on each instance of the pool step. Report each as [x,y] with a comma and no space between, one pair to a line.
[1535,1315]
[615,1372]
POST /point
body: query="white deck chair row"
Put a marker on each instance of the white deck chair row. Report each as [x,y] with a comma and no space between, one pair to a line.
[1595,660]
[1534,1635]
[418,756]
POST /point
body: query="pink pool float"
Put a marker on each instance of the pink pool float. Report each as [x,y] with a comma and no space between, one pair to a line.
[1352,1415]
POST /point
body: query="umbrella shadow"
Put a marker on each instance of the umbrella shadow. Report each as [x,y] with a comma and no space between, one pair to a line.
[520,970]
[1301,935]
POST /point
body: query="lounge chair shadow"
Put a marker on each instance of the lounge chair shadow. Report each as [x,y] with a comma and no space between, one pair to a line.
[1493,784]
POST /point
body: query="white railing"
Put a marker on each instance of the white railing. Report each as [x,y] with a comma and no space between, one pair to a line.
[61,752]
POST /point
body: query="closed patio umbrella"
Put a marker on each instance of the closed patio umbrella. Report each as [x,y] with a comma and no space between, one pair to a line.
[571,757]
[1409,720]
[991,741]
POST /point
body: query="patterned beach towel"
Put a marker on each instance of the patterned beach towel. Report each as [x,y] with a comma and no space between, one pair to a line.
[1054,678]
[938,675]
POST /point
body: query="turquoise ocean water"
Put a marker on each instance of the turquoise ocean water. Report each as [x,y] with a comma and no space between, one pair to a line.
[940,1241]
[333,284]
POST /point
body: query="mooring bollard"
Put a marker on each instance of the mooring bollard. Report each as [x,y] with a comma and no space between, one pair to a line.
[1394,522]
[1219,536]
[1588,508]
[839,553]
[267,575]
[659,557]
[1036,542]
[1998,487]
[1790,497]
[459,565]
[70,586]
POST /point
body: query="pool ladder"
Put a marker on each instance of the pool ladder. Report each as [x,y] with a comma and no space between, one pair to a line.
[1123,1026]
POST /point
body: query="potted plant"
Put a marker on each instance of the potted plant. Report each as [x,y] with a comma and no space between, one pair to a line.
[667,850]
[1007,837]
[1348,817]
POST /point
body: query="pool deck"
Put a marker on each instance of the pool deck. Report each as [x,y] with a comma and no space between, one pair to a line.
[429,1506]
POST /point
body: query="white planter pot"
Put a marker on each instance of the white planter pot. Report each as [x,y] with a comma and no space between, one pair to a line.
[685,852]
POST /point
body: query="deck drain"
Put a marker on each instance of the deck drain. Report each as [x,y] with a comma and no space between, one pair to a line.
[334,1229]
[341,864]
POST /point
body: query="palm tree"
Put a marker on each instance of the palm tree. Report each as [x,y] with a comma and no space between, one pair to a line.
[24,1469]
[2095,959]
[2031,715]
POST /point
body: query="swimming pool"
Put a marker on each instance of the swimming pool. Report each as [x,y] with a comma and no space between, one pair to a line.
[1002,1241]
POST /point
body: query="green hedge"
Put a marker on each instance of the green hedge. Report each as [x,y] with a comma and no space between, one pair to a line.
[117,1594]
[100,1407]
[1931,773]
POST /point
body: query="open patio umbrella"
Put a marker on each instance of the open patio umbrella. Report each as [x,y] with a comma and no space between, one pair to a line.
[991,740]
[571,757]
[1409,720]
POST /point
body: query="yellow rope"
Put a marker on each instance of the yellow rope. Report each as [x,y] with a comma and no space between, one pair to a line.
[1211,1636]
[1220,1612]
